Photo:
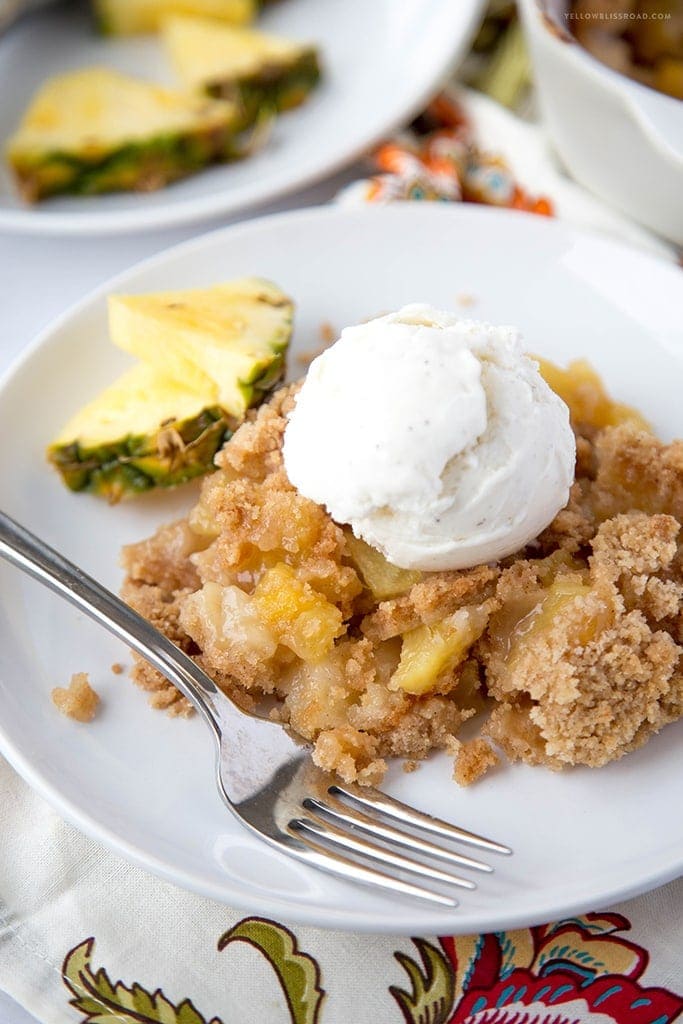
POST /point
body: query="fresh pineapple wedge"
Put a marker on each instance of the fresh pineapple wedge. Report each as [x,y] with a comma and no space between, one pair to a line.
[429,652]
[257,72]
[143,431]
[96,130]
[227,342]
[129,17]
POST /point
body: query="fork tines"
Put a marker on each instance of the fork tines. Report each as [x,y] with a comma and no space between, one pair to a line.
[347,833]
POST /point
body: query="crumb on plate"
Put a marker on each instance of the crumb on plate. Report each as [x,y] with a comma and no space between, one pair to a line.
[78,701]
[473,760]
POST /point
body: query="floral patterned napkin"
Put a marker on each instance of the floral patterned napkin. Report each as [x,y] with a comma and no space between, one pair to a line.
[86,938]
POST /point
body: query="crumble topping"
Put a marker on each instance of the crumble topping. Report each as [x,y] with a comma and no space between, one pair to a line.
[78,700]
[571,646]
[473,760]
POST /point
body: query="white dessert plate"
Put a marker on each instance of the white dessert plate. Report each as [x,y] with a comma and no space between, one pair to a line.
[142,783]
[383,61]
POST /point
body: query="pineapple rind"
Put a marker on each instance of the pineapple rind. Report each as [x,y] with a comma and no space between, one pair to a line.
[137,463]
[274,89]
[261,74]
[135,168]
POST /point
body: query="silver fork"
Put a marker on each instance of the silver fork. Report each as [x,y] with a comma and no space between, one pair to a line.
[265,776]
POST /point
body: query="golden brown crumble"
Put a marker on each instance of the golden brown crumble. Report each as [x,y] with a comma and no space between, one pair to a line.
[78,700]
[473,760]
[117,668]
[572,645]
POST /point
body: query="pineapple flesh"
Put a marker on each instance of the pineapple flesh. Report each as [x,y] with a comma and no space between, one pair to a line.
[207,355]
[583,391]
[430,652]
[228,341]
[382,579]
[259,73]
[129,17]
[298,616]
[95,130]
[143,431]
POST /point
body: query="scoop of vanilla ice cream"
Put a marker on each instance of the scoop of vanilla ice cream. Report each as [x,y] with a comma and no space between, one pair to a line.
[436,439]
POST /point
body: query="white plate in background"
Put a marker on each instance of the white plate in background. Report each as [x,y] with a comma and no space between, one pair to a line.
[141,782]
[383,60]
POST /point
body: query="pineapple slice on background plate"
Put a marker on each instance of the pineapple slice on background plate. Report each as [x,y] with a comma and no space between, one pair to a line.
[228,341]
[95,130]
[130,17]
[207,356]
[260,73]
[143,431]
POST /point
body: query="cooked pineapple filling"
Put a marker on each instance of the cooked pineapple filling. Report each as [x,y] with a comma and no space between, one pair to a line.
[298,617]
[430,653]
[570,647]
[380,577]
[581,388]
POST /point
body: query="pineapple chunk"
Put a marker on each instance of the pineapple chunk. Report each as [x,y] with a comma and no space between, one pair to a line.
[429,652]
[296,615]
[228,621]
[227,341]
[566,589]
[144,431]
[383,579]
[96,130]
[583,391]
[128,17]
[256,71]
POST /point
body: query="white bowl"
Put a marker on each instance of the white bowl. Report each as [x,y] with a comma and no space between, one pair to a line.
[621,139]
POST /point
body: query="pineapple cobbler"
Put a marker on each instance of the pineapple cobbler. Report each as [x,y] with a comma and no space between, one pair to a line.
[430,528]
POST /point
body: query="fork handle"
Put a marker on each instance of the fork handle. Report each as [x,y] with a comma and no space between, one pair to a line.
[24,550]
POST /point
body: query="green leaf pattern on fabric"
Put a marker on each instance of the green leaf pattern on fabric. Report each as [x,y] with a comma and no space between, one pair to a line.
[430,1000]
[297,972]
[101,1001]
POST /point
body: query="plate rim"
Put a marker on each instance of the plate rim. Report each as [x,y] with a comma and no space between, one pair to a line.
[35,221]
[437,921]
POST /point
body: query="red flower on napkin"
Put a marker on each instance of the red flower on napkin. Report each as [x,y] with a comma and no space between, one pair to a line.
[578,971]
